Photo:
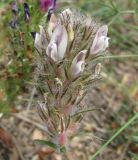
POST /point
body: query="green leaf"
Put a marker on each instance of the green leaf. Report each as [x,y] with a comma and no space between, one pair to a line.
[63,149]
[135,139]
[133,156]
[48,143]
[4,107]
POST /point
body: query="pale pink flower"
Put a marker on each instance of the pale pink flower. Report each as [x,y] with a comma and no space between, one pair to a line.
[101,41]
[57,47]
[78,64]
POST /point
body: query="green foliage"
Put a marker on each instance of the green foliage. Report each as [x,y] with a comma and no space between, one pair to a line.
[47,143]
[52,145]
[126,125]
[18,44]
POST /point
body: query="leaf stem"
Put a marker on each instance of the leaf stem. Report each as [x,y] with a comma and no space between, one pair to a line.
[119,56]
[115,135]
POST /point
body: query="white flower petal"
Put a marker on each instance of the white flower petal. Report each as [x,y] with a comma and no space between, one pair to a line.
[37,42]
[102,31]
[41,40]
[78,64]
[52,51]
[100,42]
[106,44]
[60,38]
[78,68]
[99,45]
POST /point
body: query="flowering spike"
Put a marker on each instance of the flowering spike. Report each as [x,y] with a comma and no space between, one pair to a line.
[100,42]
[64,84]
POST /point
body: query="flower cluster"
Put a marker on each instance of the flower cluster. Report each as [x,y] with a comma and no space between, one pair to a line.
[14,22]
[67,46]
[15,10]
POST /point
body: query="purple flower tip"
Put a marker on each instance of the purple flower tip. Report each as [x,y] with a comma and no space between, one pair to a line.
[27,12]
[47,4]
[14,8]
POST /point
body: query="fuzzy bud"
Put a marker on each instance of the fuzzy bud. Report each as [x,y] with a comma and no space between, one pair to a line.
[98,69]
[67,16]
[26,12]
[66,13]
[63,138]
[41,40]
[45,4]
[52,24]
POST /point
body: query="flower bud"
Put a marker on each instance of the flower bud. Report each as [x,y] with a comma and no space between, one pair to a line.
[45,4]
[63,138]
[73,128]
[100,42]
[66,13]
[98,69]
[58,42]
[66,16]
[78,64]
[14,23]
[26,12]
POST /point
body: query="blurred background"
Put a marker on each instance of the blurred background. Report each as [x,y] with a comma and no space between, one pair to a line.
[116,94]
